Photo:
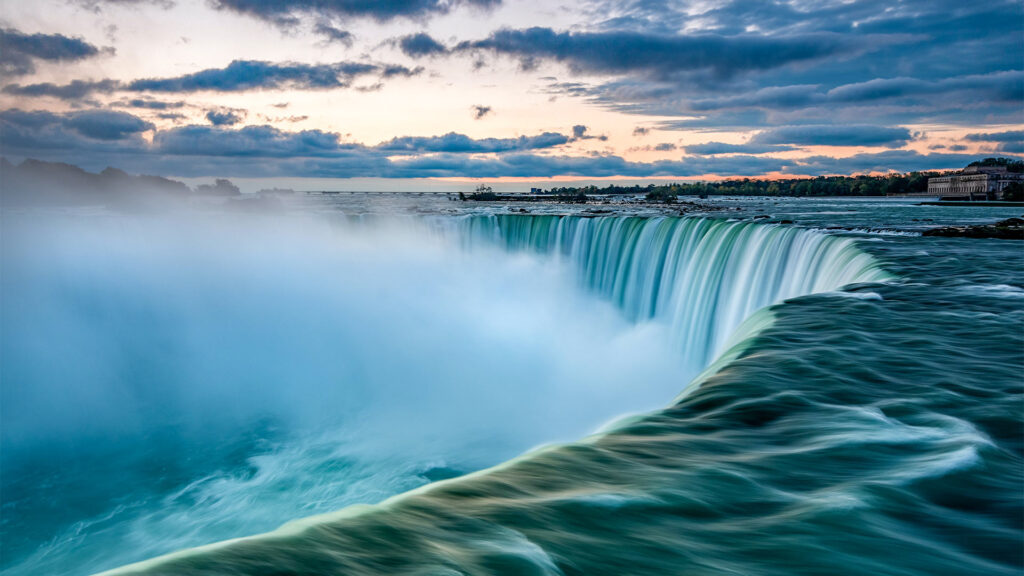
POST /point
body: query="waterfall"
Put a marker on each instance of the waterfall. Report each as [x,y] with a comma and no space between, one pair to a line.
[703,277]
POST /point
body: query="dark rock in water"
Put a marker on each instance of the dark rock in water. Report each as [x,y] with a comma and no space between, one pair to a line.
[785,221]
[1010,229]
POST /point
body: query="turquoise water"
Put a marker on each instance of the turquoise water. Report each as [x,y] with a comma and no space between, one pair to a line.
[868,421]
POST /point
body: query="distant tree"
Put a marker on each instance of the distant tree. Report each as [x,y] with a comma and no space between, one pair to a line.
[1014,192]
[1010,164]
[483,192]
[220,187]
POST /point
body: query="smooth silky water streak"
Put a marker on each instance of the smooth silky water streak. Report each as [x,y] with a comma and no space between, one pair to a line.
[703,277]
[706,278]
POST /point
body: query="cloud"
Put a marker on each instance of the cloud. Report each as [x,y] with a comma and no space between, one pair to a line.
[916,61]
[641,131]
[288,14]
[333,34]
[150,104]
[1008,136]
[460,143]
[74,90]
[20,51]
[890,160]
[96,131]
[660,56]
[419,45]
[105,124]
[256,141]
[96,5]
[241,75]
[480,111]
[715,148]
[98,138]
[834,135]
[579,132]
[1012,148]
[223,117]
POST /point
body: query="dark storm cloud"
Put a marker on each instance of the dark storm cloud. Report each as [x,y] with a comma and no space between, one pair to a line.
[289,13]
[20,51]
[714,148]
[74,90]
[834,135]
[460,143]
[241,75]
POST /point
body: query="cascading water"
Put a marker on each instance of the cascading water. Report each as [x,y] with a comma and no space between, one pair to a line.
[703,277]
[699,278]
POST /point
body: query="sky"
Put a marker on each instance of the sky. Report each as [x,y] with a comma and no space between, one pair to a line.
[445,94]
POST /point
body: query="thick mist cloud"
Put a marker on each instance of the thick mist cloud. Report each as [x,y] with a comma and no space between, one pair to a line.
[19,51]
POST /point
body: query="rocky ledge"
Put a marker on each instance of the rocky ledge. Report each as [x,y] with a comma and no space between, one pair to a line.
[1011,229]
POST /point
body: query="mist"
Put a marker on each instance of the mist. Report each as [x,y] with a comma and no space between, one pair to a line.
[160,352]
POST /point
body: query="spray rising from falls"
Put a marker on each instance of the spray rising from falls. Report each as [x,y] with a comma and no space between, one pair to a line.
[698,278]
[703,277]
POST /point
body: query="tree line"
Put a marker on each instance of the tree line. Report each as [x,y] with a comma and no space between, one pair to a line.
[863,185]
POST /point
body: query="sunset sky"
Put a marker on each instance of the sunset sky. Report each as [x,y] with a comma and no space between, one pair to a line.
[427,94]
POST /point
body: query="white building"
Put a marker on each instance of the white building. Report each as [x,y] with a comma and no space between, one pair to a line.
[974,183]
